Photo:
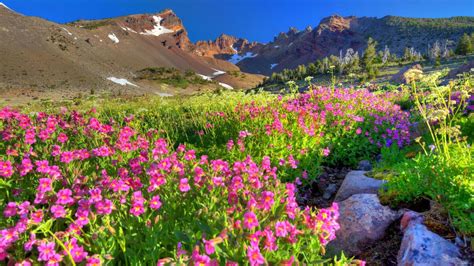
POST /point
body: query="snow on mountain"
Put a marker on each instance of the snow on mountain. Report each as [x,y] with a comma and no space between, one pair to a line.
[218,72]
[236,58]
[67,31]
[227,86]
[5,6]
[158,29]
[204,77]
[122,82]
[113,38]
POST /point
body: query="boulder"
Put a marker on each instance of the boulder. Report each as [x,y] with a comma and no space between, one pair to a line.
[408,74]
[363,220]
[421,247]
[357,183]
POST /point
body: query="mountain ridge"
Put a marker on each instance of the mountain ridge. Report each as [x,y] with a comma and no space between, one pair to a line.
[90,53]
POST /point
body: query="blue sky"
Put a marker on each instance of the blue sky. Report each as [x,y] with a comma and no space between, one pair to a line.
[256,20]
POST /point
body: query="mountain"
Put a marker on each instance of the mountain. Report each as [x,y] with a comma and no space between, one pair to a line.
[336,33]
[127,54]
[38,55]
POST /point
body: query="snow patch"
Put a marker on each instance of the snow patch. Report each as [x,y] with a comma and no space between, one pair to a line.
[277,46]
[158,29]
[204,77]
[272,66]
[114,38]
[233,49]
[218,72]
[227,86]
[5,6]
[122,82]
[127,29]
[236,58]
[68,32]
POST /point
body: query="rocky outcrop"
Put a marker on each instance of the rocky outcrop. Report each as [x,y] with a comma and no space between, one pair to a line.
[224,45]
[423,247]
[335,23]
[357,183]
[363,221]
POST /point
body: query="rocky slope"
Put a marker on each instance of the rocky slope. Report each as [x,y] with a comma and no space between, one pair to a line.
[336,33]
[48,58]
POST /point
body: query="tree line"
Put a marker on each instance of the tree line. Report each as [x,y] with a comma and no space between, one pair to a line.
[366,67]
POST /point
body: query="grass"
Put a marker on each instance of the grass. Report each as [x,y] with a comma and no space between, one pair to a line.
[172,77]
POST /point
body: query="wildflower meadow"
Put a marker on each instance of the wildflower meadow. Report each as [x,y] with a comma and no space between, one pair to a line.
[212,182]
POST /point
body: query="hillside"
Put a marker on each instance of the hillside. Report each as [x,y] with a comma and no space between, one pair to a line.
[336,33]
[44,58]
[50,60]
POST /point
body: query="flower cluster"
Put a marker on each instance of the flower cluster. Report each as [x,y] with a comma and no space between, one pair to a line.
[337,127]
[83,191]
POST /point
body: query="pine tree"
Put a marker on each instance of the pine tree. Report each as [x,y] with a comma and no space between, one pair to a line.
[312,70]
[368,59]
[464,45]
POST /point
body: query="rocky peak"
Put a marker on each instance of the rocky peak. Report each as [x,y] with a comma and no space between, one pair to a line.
[224,44]
[335,23]
[164,22]
[292,31]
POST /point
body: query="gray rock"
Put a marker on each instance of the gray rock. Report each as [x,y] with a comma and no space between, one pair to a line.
[421,247]
[365,165]
[363,221]
[329,191]
[357,183]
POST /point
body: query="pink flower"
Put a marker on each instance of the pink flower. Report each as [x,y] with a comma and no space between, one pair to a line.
[67,157]
[137,209]
[326,152]
[25,167]
[281,229]
[358,131]
[37,216]
[95,195]
[230,145]
[267,200]
[46,251]
[62,137]
[28,246]
[93,261]
[155,202]
[270,240]
[78,253]
[184,185]
[104,207]
[254,256]
[64,197]
[42,166]
[10,210]
[250,220]
[6,169]
[209,246]
[58,211]
[54,260]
